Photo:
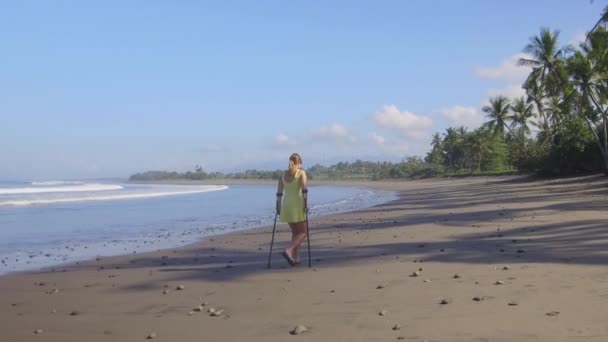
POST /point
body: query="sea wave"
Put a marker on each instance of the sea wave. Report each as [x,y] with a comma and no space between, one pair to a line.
[115,196]
[45,183]
[74,188]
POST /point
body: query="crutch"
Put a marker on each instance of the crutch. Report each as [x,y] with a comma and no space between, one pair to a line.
[308,238]
[274,227]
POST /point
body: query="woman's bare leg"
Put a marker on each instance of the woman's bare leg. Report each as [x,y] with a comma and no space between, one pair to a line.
[298,235]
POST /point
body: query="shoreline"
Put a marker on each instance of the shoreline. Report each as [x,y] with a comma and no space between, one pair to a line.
[531,253]
[90,245]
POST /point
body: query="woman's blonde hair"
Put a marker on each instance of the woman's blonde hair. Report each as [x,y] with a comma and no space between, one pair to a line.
[294,159]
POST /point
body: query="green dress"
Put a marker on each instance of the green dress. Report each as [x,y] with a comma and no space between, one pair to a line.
[292,208]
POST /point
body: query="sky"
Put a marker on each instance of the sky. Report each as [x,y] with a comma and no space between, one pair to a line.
[92,89]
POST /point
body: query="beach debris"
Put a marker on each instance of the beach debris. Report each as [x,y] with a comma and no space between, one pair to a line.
[383,312]
[499,282]
[415,274]
[396,327]
[38,331]
[552,313]
[180,287]
[53,291]
[445,301]
[217,313]
[298,329]
[151,336]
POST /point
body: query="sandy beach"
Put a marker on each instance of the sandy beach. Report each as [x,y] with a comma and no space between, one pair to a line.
[471,259]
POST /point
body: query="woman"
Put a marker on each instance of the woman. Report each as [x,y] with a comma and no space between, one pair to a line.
[292,206]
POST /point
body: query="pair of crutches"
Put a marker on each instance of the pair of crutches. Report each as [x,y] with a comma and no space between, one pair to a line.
[274,227]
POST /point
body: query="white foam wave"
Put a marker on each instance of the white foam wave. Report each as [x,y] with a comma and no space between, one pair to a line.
[111,197]
[55,183]
[74,188]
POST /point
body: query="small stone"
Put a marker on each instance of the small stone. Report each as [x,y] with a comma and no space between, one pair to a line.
[166,292]
[396,327]
[217,313]
[383,312]
[180,287]
[75,313]
[401,337]
[427,280]
[191,313]
[198,309]
[415,274]
[479,299]
[211,310]
[512,303]
[499,282]
[38,331]
[379,287]
[520,251]
[552,313]
[456,276]
[151,336]
[204,303]
[445,301]
[298,329]
[53,291]
[505,268]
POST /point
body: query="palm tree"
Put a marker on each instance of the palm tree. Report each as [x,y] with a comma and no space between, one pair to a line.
[522,115]
[450,141]
[498,113]
[588,71]
[547,62]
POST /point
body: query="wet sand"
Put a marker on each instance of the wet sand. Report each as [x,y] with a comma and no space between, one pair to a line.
[474,259]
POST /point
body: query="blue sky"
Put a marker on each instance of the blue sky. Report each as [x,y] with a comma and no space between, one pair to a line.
[109,88]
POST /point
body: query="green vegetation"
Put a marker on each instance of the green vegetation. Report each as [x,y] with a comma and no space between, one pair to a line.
[566,105]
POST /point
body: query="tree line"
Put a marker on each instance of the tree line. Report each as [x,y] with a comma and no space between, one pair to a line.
[558,127]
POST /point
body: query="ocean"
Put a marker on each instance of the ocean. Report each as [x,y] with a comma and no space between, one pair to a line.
[49,223]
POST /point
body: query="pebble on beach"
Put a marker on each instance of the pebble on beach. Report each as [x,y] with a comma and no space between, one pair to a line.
[298,329]
[180,287]
[38,331]
[151,336]
[383,312]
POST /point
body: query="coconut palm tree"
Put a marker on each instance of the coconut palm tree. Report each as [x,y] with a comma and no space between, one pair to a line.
[547,61]
[522,116]
[498,113]
[588,70]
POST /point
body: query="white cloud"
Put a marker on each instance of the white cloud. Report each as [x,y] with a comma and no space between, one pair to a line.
[375,137]
[407,123]
[507,70]
[578,39]
[511,91]
[213,148]
[463,116]
[334,131]
[283,139]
